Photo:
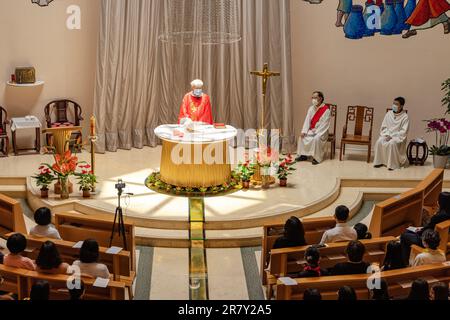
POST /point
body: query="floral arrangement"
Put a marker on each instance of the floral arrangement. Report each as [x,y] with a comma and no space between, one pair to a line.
[266,156]
[64,166]
[245,171]
[285,167]
[441,128]
[86,178]
[44,178]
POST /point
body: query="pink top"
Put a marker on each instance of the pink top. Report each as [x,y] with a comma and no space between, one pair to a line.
[17,261]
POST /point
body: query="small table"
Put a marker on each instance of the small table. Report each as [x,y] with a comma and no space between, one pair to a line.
[415,156]
[26,123]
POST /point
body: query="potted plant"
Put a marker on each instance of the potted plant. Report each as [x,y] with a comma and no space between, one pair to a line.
[63,168]
[440,150]
[245,173]
[265,158]
[43,180]
[86,179]
[285,168]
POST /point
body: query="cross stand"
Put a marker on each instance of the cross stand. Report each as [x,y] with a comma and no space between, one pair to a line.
[118,217]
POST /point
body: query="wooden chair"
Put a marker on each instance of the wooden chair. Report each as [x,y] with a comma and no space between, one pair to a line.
[332,135]
[60,109]
[4,139]
[360,115]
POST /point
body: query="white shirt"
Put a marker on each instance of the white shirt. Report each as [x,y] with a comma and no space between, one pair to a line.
[95,270]
[48,231]
[429,257]
[342,232]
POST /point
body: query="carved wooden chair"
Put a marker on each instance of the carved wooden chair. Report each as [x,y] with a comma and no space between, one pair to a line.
[4,139]
[359,115]
[332,135]
[56,115]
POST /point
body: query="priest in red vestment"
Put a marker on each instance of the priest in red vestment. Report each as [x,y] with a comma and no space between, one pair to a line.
[196,105]
[428,14]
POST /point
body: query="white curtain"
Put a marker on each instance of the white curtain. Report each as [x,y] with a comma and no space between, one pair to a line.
[141,80]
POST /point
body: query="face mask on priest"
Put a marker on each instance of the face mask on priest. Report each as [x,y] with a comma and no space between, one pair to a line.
[197,93]
[395,108]
[315,102]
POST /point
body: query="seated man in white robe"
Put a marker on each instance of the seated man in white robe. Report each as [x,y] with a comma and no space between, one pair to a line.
[390,149]
[315,132]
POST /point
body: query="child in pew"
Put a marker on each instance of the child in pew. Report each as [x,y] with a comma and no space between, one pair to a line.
[40,291]
[440,292]
[393,259]
[294,235]
[49,260]
[77,293]
[44,227]
[381,293]
[347,293]
[342,231]
[419,291]
[312,294]
[17,244]
[312,267]
[430,241]
[362,231]
[355,253]
[88,262]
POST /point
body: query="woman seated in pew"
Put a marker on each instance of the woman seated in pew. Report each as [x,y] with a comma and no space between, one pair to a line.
[347,293]
[77,293]
[393,259]
[430,241]
[44,227]
[49,260]
[440,292]
[420,291]
[40,291]
[294,235]
[312,267]
[382,293]
[362,231]
[17,244]
[88,263]
[312,294]
[355,253]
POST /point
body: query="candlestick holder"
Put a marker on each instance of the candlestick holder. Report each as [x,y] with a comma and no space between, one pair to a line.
[93,139]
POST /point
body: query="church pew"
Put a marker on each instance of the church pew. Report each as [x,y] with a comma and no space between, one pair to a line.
[432,187]
[11,216]
[119,265]
[443,229]
[76,227]
[396,279]
[314,229]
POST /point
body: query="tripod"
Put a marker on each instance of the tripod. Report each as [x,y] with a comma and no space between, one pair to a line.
[118,219]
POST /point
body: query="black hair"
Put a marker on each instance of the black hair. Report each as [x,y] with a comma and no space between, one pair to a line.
[444,202]
[77,293]
[89,251]
[294,231]
[43,216]
[341,213]
[362,231]
[394,256]
[17,243]
[419,290]
[355,251]
[347,293]
[381,293]
[312,294]
[440,291]
[48,257]
[312,256]
[40,291]
[320,94]
[401,100]
[431,238]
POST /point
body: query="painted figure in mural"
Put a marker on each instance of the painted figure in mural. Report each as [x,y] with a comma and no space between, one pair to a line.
[343,11]
[428,14]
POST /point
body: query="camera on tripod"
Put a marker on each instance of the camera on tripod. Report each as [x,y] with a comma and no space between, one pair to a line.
[120,185]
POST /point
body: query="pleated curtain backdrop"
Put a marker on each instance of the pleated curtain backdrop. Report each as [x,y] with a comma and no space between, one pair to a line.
[141,80]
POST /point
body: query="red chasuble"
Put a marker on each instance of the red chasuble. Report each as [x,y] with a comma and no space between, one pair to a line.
[197,109]
[320,112]
[426,10]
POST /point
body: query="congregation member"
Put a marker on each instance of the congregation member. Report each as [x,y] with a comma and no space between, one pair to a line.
[40,291]
[347,293]
[440,292]
[44,227]
[342,231]
[5,295]
[390,149]
[196,105]
[293,235]
[419,291]
[312,294]
[312,267]
[315,132]
[431,241]
[355,265]
[49,260]
[362,231]
[381,293]
[1,257]
[409,237]
[88,262]
[77,293]
[393,259]
[17,244]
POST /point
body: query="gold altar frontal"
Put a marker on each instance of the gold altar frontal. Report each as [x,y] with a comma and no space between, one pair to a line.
[194,171]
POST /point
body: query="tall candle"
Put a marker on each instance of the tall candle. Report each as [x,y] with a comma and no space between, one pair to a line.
[93,126]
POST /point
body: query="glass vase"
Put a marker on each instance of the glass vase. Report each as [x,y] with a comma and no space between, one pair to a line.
[64,181]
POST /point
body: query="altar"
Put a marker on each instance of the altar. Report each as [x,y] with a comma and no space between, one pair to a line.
[195,158]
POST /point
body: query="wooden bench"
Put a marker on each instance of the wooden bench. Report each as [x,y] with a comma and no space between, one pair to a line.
[314,229]
[396,279]
[11,216]
[432,187]
[20,281]
[119,265]
[443,229]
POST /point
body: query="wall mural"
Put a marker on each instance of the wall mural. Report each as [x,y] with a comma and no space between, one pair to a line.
[404,18]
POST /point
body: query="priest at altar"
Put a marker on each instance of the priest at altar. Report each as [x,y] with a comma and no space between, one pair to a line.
[390,149]
[315,131]
[196,105]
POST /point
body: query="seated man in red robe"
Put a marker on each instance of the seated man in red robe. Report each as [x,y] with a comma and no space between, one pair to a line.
[196,105]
